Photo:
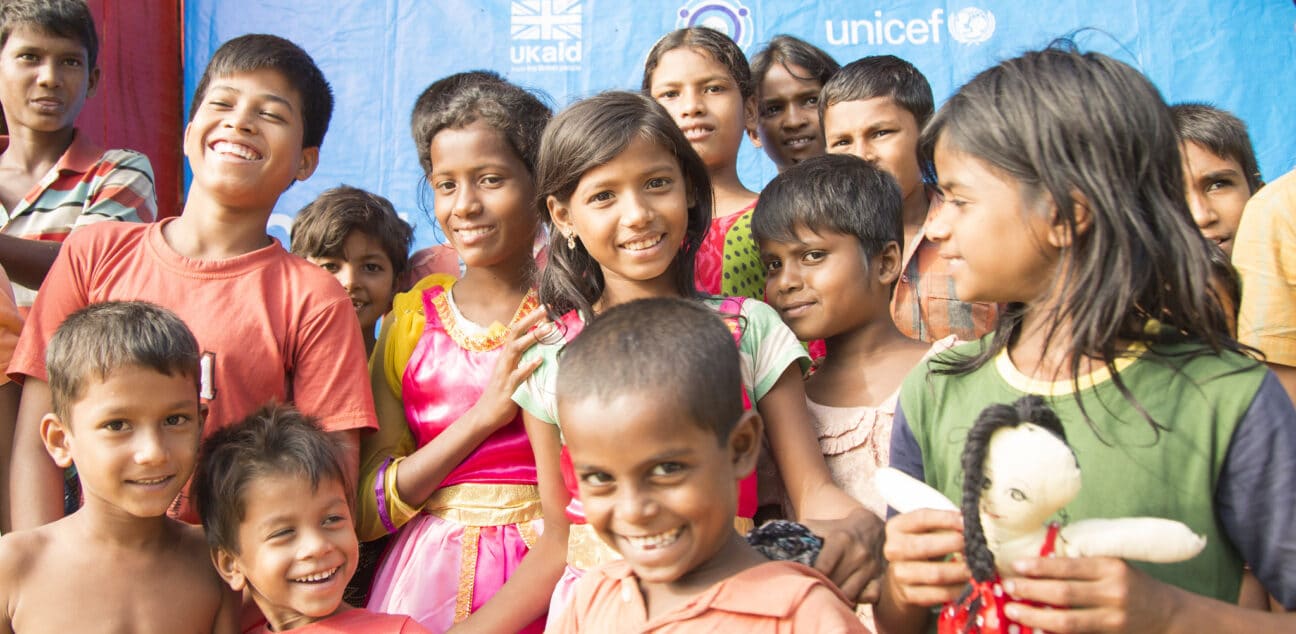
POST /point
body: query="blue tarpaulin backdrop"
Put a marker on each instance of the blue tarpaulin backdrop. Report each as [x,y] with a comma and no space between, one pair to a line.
[380,54]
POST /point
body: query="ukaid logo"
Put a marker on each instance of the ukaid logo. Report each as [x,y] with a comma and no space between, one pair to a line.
[726,16]
[971,25]
[546,35]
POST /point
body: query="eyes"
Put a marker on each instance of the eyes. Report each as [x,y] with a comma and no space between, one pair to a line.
[335,266]
[775,108]
[811,257]
[286,533]
[667,472]
[445,187]
[714,88]
[123,425]
[654,184]
[1016,494]
[34,58]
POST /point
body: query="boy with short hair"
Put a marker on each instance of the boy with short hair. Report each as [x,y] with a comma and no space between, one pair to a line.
[874,108]
[276,502]
[124,383]
[357,237]
[788,74]
[271,325]
[669,370]
[1220,170]
[53,178]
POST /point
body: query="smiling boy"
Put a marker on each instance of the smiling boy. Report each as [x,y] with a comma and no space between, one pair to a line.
[53,178]
[271,325]
[666,501]
[126,412]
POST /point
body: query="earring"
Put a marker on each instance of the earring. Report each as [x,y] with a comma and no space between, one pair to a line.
[571,240]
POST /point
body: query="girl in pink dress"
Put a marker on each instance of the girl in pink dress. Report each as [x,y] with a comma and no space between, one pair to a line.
[451,468]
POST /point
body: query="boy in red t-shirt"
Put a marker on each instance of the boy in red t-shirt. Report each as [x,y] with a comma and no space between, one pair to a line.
[271,325]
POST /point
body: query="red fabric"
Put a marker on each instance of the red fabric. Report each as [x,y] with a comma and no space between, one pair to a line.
[990,617]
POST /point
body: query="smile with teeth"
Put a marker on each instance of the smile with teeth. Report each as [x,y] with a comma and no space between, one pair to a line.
[237,150]
[696,131]
[151,481]
[473,232]
[798,141]
[643,243]
[653,542]
[319,576]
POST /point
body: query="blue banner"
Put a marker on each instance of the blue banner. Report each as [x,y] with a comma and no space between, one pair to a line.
[380,54]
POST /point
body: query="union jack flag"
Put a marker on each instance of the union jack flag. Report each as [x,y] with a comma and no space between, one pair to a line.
[546,19]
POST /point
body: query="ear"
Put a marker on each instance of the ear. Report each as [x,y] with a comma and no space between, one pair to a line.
[751,134]
[92,82]
[229,569]
[560,214]
[57,439]
[749,114]
[309,161]
[1060,236]
[745,442]
[888,264]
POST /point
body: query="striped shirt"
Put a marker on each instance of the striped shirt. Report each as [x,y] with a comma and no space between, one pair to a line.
[87,185]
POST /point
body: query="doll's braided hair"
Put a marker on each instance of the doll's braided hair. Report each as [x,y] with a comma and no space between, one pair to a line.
[1028,409]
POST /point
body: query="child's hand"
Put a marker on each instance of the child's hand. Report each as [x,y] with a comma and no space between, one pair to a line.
[1093,594]
[496,406]
[917,545]
[851,554]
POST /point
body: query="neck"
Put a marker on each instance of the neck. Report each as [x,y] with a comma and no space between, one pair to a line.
[914,213]
[730,194]
[1034,354]
[35,152]
[370,340]
[733,557]
[209,231]
[847,350]
[513,276]
[104,524]
[617,292]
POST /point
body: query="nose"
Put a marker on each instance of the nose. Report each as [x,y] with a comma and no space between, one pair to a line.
[149,448]
[240,118]
[787,278]
[346,275]
[48,74]
[797,117]
[691,102]
[637,211]
[466,202]
[635,504]
[314,544]
[938,225]
[1203,213]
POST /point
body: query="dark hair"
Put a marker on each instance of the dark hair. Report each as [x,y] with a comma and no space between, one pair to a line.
[248,53]
[462,98]
[841,193]
[883,76]
[788,50]
[100,339]
[715,44]
[1027,409]
[65,18]
[321,227]
[275,440]
[1220,132]
[1062,123]
[664,344]
[588,134]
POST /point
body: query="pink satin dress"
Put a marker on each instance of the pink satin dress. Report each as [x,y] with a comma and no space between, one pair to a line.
[456,554]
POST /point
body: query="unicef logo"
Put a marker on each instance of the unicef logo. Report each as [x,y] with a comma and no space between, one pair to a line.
[972,25]
[726,16]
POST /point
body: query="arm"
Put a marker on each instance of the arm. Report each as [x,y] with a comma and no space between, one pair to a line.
[525,596]
[1286,376]
[851,556]
[35,482]
[27,261]
[10,395]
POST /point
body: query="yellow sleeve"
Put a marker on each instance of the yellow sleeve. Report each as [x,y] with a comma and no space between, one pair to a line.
[1266,263]
[401,330]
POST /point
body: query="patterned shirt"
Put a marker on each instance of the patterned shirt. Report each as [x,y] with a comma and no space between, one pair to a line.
[925,306]
[87,185]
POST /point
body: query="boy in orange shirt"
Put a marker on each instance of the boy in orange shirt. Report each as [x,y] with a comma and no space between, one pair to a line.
[665,502]
[271,326]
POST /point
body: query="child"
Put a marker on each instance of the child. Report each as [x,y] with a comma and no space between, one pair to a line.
[829,232]
[125,410]
[271,325]
[275,502]
[702,79]
[1064,198]
[451,467]
[666,501]
[788,74]
[874,108]
[629,202]
[357,237]
[1219,169]
[53,178]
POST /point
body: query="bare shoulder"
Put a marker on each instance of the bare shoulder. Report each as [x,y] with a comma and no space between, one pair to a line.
[20,552]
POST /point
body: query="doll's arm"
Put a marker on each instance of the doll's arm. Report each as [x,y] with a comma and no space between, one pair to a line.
[904,493]
[1135,538]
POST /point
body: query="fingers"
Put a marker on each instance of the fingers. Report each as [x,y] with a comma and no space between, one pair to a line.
[1085,594]
[928,583]
[923,535]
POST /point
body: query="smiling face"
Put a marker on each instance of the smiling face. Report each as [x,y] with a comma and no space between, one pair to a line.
[44,80]
[705,102]
[483,195]
[822,284]
[787,123]
[297,549]
[1000,246]
[365,271]
[133,437]
[631,215]
[879,131]
[1217,193]
[244,143]
[666,501]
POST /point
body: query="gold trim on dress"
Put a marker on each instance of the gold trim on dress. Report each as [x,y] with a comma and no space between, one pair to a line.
[494,336]
[479,504]
[467,573]
[528,534]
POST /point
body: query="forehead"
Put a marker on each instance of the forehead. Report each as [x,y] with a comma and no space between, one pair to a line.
[362,244]
[475,144]
[688,63]
[639,155]
[787,77]
[260,82]
[32,35]
[599,426]
[1201,159]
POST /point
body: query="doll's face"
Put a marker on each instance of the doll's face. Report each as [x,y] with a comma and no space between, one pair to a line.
[1030,474]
